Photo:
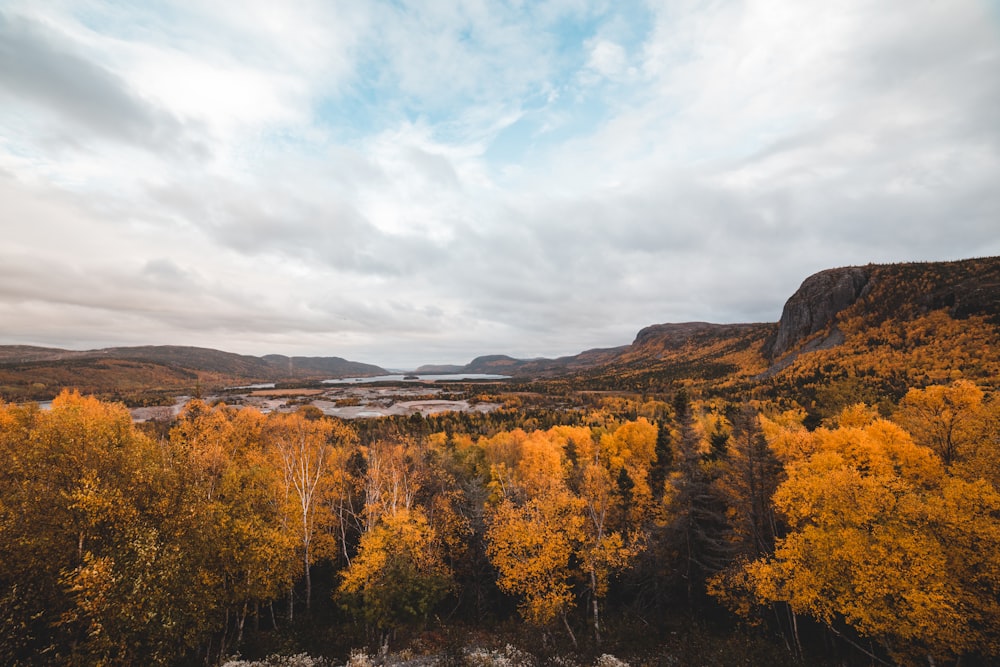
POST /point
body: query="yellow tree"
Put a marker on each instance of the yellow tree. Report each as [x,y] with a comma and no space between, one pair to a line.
[882,539]
[530,545]
[950,419]
[229,476]
[92,526]
[982,460]
[398,574]
[392,479]
[567,504]
[38,537]
[311,453]
[537,522]
[400,571]
[611,478]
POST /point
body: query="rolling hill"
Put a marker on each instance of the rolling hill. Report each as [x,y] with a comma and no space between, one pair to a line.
[28,372]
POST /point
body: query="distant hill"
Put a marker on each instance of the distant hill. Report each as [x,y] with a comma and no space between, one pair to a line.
[440,369]
[38,372]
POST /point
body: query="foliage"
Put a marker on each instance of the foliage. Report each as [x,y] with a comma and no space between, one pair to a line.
[883,540]
[398,575]
[611,512]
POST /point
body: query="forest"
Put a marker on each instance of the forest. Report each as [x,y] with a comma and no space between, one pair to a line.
[666,529]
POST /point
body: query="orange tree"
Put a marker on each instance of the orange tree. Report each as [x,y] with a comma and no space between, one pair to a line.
[882,540]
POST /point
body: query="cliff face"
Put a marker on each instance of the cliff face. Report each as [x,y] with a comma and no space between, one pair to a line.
[816,303]
[867,295]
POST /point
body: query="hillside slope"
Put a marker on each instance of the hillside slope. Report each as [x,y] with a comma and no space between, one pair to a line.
[38,372]
[873,331]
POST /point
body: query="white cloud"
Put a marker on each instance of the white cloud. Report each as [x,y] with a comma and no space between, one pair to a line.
[607,59]
[322,178]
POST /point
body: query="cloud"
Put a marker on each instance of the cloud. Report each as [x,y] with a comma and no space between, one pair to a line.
[38,67]
[404,182]
[607,59]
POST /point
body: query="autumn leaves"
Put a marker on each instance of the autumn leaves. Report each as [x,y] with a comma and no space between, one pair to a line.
[121,548]
[562,496]
[888,539]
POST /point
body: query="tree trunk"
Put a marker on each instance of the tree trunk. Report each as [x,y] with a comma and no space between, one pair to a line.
[597,620]
[572,637]
[308,580]
[795,634]
[239,627]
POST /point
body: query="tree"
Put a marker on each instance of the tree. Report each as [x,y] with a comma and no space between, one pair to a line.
[398,574]
[948,419]
[699,531]
[310,452]
[883,540]
[748,482]
[569,506]
[232,480]
[612,479]
[97,541]
[530,545]
[536,523]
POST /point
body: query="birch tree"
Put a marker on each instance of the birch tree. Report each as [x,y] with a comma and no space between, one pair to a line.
[309,451]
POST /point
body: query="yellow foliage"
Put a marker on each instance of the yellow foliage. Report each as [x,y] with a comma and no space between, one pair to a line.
[787,437]
[882,538]
[531,546]
[399,573]
[950,419]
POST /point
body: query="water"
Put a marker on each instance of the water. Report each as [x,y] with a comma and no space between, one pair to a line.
[422,377]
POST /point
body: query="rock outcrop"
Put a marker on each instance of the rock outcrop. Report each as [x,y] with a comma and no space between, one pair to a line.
[815,305]
[677,335]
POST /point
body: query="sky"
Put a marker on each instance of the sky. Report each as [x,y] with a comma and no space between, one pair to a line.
[423,182]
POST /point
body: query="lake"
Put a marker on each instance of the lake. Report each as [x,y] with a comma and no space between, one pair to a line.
[418,377]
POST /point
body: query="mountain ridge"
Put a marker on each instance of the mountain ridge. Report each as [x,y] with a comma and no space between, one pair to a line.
[830,329]
[813,319]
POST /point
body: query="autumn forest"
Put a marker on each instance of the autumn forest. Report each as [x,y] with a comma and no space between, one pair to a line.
[818,493]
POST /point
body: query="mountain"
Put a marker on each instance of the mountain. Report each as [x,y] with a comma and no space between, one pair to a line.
[692,349]
[38,372]
[877,293]
[321,366]
[868,332]
[890,328]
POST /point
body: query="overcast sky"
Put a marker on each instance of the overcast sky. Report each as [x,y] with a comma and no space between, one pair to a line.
[423,182]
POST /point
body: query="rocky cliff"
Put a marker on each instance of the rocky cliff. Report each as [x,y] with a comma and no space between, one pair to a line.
[816,304]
